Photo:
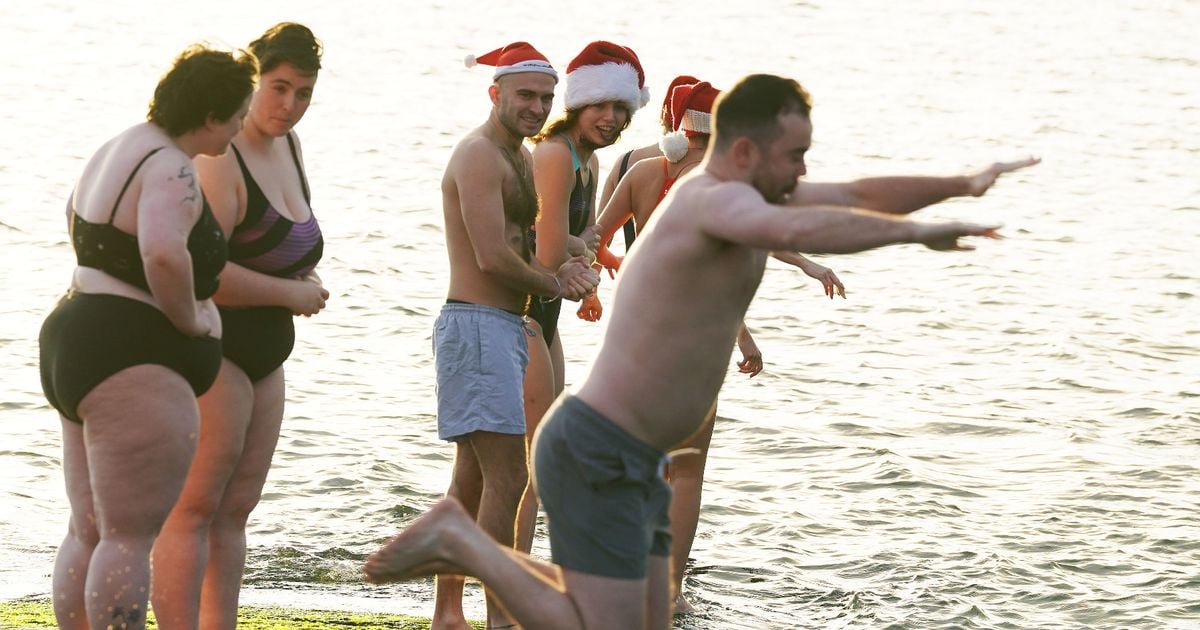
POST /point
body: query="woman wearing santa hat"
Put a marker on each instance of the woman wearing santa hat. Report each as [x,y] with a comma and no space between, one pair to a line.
[633,156]
[605,84]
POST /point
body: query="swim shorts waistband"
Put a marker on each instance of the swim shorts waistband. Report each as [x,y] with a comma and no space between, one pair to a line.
[454,302]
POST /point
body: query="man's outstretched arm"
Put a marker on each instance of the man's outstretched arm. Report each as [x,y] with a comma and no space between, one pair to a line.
[903,194]
[737,213]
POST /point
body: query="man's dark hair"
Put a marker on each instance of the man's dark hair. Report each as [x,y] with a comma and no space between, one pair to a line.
[751,109]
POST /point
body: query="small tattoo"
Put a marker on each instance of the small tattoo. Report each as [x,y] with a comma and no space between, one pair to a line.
[122,618]
[186,173]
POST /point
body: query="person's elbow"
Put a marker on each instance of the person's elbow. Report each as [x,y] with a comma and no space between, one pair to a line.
[163,260]
[490,263]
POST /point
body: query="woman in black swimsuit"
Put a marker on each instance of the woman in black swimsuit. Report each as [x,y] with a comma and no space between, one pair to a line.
[260,194]
[136,339]
[605,84]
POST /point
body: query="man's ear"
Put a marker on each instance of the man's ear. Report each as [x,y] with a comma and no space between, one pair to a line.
[494,93]
[745,152]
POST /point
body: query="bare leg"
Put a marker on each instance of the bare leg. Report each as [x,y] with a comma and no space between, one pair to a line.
[502,460]
[539,394]
[182,552]
[687,487]
[558,363]
[659,599]
[466,485]
[227,534]
[71,565]
[140,430]
[445,539]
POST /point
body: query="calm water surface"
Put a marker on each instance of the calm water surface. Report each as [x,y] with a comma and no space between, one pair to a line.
[1002,439]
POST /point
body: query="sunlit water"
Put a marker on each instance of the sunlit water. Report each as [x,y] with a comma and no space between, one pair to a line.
[1002,439]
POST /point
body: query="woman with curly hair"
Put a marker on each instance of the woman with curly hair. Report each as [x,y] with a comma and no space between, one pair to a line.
[260,194]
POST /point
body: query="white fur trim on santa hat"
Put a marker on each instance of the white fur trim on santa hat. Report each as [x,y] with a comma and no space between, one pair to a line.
[698,121]
[588,85]
[529,65]
[674,145]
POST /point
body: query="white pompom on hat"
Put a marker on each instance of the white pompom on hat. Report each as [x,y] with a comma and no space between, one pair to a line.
[513,58]
[691,115]
[603,72]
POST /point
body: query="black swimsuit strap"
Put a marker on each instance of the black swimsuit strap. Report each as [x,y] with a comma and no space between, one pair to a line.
[238,154]
[295,158]
[112,215]
[624,164]
[299,168]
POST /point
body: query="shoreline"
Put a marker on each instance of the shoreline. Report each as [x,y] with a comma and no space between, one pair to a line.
[36,612]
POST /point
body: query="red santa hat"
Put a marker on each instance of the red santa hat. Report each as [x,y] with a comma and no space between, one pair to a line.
[683,79]
[513,58]
[605,71]
[691,115]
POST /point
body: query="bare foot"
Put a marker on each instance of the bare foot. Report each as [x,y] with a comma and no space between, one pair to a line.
[682,605]
[450,623]
[420,550]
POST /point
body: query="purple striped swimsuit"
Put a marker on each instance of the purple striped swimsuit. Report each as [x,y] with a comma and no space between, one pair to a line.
[266,241]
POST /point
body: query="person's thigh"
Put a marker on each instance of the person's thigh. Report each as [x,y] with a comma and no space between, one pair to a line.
[78,482]
[539,382]
[605,602]
[501,457]
[261,436]
[224,416]
[558,361]
[140,427]
[659,598]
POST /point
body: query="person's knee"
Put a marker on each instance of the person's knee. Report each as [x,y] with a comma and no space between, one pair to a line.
[196,510]
[83,531]
[136,538]
[235,511]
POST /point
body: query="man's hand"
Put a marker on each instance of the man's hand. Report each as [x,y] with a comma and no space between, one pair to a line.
[944,237]
[980,182]
[576,279]
[590,237]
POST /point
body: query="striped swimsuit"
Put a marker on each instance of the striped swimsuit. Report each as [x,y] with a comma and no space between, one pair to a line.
[259,339]
[268,242]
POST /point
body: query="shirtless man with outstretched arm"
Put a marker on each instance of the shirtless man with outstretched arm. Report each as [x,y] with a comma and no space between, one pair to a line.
[596,456]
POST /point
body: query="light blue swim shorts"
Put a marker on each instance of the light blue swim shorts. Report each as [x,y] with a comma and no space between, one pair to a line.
[480,354]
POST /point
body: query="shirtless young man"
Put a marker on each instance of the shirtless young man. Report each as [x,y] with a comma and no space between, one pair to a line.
[637,196]
[480,338]
[598,453]
[647,184]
